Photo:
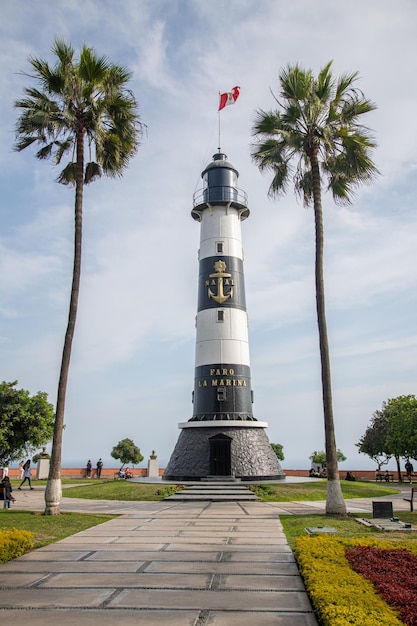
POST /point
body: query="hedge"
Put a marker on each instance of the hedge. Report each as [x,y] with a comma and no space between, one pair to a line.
[340,596]
[14,543]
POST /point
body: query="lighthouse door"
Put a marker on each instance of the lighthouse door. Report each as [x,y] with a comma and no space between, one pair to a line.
[220,455]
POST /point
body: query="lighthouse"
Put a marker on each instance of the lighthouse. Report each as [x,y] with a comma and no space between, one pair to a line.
[222,439]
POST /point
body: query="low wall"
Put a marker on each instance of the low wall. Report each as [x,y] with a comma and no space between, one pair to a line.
[359,474]
[109,472]
[67,472]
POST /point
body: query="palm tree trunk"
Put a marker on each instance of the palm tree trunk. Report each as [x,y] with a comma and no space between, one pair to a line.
[53,492]
[335,504]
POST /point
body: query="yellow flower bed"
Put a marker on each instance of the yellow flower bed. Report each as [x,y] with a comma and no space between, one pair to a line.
[339,595]
[14,543]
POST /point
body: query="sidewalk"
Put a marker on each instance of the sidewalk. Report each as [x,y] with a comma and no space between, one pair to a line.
[176,563]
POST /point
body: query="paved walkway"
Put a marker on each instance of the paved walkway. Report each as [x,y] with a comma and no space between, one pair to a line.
[176,563]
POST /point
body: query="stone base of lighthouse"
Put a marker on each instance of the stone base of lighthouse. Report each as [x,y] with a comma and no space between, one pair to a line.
[233,449]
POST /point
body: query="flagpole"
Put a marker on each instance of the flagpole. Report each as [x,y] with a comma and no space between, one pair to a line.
[225,99]
[218,114]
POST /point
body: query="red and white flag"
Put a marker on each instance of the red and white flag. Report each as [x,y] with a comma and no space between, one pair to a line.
[229,97]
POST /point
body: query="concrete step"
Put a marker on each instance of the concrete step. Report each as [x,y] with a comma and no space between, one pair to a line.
[222,479]
[219,487]
[214,493]
[219,492]
[181,497]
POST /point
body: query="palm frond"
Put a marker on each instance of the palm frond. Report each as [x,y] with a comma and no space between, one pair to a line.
[295,83]
[280,180]
[63,51]
[338,184]
[92,69]
[344,85]
[24,142]
[62,147]
[92,172]
[266,122]
[324,83]
[68,175]
[354,106]
[45,152]
[303,185]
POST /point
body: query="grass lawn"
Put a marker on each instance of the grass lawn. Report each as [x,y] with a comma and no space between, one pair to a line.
[109,489]
[293,492]
[125,490]
[119,490]
[295,525]
[49,528]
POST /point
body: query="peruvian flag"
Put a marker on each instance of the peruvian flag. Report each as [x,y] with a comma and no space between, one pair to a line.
[229,97]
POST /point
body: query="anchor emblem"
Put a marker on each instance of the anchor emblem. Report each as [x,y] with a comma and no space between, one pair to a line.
[221,275]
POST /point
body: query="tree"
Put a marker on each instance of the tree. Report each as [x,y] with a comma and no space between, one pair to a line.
[278,449]
[74,104]
[401,435]
[318,127]
[127,452]
[374,441]
[26,422]
[392,433]
[319,457]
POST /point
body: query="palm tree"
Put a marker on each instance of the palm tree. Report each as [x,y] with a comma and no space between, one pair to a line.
[77,104]
[316,136]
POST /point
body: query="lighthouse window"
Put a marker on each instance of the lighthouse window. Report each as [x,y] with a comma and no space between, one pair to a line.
[219,247]
[221,394]
[220,316]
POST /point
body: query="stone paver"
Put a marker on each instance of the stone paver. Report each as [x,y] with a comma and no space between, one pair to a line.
[92,617]
[164,563]
[161,563]
[215,600]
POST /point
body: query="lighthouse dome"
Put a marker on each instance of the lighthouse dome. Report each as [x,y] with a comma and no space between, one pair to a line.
[220,178]
[220,162]
[220,187]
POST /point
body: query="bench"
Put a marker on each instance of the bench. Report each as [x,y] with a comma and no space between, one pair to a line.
[382,476]
[117,476]
[410,500]
[413,475]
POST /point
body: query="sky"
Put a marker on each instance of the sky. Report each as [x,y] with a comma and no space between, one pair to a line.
[132,367]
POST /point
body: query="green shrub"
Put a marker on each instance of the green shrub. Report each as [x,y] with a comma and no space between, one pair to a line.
[169,490]
[14,543]
[260,490]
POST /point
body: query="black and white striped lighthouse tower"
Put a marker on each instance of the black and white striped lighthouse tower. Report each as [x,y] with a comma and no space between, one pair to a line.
[222,438]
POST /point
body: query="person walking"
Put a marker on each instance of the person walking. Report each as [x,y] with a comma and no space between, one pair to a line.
[27,475]
[88,468]
[21,470]
[409,469]
[99,467]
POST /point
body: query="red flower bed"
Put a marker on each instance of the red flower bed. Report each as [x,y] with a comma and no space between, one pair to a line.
[394,575]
